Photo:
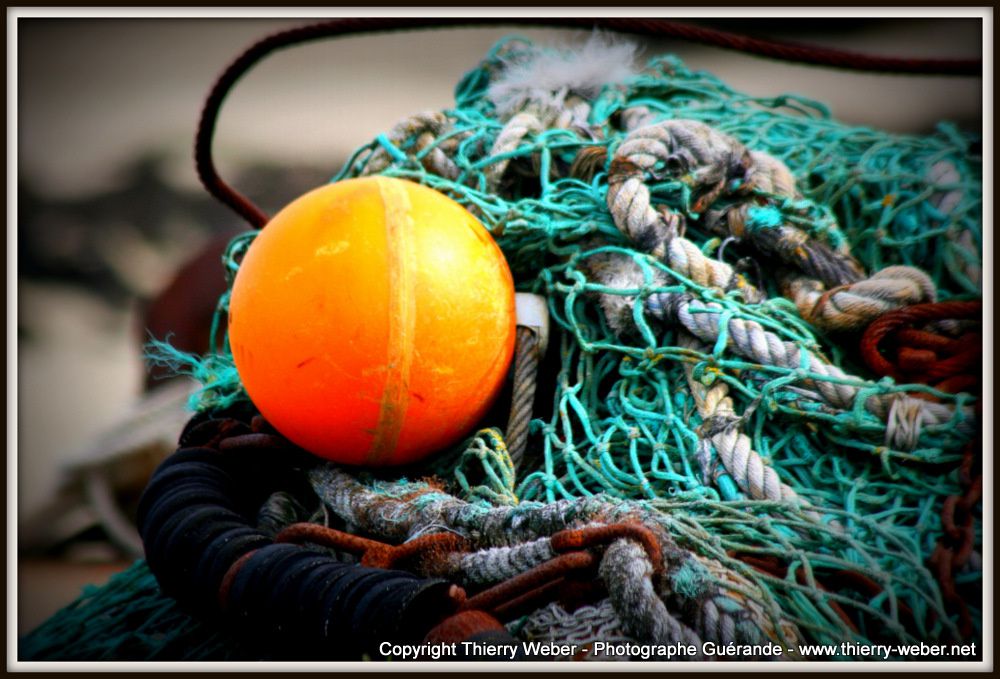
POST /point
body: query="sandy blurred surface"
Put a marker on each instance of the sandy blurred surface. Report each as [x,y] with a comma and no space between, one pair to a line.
[83,368]
[93,92]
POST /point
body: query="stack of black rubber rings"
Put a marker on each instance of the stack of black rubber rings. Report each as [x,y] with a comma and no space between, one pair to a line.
[198,521]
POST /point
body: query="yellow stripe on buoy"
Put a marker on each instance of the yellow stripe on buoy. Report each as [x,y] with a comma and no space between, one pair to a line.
[401,321]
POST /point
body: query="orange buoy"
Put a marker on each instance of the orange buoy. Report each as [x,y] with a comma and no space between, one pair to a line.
[372,321]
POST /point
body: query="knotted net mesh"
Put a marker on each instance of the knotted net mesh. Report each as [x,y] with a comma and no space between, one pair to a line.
[692,242]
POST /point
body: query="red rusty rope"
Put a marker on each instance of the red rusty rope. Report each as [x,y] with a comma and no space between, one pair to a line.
[955,547]
[920,355]
[373,553]
[953,363]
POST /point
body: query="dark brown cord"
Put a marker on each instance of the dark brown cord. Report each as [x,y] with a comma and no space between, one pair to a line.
[661,28]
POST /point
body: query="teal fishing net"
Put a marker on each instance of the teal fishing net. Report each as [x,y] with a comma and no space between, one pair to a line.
[836,534]
[129,619]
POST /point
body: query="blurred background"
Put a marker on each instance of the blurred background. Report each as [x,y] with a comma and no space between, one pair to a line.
[109,211]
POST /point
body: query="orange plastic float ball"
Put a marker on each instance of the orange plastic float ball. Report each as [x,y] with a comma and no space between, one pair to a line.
[372,321]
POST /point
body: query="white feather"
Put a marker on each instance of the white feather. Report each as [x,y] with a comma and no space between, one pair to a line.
[546,76]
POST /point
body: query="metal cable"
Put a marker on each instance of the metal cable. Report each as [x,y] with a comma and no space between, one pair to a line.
[523,398]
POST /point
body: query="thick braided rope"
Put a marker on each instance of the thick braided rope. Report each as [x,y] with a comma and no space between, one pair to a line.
[683,257]
[746,622]
[750,339]
[708,163]
[509,140]
[855,305]
[492,565]
[559,113]
[730,612]
[574,114]
[413,135]
[626,571]
[634,117]
[754,477]
[518,536]
[396,520]
[656,231]
[707,321]
[848,307]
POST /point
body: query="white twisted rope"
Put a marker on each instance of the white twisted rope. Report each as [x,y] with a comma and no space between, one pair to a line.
[509,139]
[751,473]
[426,127]
[854,306]
[751,340]
[712,164]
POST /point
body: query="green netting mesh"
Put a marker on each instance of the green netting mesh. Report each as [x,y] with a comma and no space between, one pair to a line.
[625,418]
[129,619]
